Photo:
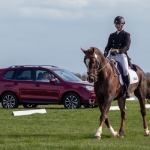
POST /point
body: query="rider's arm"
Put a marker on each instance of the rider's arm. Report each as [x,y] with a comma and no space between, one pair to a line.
[127,42]
[109,45]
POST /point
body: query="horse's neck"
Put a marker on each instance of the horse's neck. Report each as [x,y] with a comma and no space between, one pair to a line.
[105,67]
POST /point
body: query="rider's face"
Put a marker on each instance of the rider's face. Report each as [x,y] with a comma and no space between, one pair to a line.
[119,26]
[45,76]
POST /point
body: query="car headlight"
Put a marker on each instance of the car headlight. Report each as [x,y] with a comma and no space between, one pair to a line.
[89,88]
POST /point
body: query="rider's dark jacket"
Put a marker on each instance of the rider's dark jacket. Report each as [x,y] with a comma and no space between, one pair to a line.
[119,41]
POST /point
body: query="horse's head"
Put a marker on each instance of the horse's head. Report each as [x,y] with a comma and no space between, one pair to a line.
[92,63]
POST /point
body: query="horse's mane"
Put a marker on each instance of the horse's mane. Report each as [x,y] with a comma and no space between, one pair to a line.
[97,51]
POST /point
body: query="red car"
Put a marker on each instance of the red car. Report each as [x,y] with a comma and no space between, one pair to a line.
[41,85]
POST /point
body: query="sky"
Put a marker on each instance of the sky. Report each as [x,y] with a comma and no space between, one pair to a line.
[51,32]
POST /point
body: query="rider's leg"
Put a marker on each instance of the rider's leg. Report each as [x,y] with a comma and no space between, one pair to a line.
[127,84]
[122,59]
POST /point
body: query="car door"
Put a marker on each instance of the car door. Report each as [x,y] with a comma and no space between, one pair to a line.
[24,83]
[45,91]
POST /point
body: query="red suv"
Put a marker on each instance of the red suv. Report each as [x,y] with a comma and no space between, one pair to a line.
[40,85]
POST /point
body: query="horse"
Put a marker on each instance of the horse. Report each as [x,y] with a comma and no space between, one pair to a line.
[107,88]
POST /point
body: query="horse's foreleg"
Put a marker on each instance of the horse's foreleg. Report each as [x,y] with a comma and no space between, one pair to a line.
[143,113]
[121,104]
[98,133]
[99,130]
[103,118]
[114,133]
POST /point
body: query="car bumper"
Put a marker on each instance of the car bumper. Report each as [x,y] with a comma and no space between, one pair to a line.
[93,99]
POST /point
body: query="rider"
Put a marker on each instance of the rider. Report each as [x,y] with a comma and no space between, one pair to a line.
[118,45]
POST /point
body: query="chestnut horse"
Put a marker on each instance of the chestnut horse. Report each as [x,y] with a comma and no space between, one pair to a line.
[107,88]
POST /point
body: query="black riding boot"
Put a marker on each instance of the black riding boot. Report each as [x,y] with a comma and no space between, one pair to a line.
[127,83]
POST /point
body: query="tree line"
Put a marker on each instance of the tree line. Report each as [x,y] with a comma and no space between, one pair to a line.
[81,76]
[147,74]
[84,77]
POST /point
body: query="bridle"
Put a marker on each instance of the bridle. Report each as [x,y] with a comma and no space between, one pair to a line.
[97,68]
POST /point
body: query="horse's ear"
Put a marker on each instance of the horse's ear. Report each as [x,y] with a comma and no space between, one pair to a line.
[93,49]
[84,51]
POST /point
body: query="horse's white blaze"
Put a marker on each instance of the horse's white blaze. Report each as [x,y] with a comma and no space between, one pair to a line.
[99,132]
[146,131]
[87,61]
[114,133]
[95,56]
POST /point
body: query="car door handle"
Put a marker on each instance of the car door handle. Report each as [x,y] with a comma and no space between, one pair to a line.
[15,83]
[37,85]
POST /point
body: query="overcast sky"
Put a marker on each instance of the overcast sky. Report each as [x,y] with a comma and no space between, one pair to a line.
[34,32]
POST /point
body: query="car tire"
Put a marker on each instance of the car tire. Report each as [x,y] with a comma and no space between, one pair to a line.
[71,100]
[30,105]
[9,100]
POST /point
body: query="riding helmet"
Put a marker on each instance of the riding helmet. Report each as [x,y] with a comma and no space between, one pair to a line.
[119,19]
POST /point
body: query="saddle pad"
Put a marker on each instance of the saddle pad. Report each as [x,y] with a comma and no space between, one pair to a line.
[132,74]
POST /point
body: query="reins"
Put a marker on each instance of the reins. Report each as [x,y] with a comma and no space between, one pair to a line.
[96,68]
[103,67]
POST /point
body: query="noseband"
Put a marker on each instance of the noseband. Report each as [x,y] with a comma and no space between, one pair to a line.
[96,68]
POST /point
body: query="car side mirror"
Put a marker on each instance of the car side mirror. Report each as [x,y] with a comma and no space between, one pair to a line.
[52,80]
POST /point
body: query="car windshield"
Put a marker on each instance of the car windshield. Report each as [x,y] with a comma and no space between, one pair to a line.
[66,75]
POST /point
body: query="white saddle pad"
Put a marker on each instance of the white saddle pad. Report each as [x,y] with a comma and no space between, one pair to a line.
[133,76]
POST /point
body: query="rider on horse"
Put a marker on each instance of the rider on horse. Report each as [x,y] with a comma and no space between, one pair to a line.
[118,45]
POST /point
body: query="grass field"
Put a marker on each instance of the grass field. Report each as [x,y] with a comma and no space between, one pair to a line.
[71,129]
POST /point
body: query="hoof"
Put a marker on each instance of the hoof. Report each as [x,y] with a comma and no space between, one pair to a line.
[115,134]
[147,134]
[120,136]
[97,137]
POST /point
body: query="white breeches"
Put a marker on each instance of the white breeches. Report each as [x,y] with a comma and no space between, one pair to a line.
[122,59]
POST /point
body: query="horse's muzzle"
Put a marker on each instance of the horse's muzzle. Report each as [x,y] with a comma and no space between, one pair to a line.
[90,79]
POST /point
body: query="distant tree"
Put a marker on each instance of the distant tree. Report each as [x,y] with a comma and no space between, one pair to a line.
[147,74]
[84,77]
[78,75]
[148,83]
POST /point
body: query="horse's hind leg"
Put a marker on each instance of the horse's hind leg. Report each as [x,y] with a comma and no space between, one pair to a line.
[121,104]
[143,113]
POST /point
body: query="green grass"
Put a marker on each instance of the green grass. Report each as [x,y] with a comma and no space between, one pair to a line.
[67,129]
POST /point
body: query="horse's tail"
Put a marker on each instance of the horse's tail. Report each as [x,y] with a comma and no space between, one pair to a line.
[148,93]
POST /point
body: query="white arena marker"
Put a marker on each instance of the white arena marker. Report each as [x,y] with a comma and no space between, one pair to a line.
[29,112]
[115,108]
[132,98]
[147,105]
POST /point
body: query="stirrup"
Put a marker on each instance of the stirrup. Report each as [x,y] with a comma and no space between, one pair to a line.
[127,94]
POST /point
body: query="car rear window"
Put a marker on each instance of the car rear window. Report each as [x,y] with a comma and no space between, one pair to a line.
[66,75]
[24,74]
[9,74]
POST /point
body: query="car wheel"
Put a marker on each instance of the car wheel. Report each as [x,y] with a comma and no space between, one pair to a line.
[9,100]
[30,105]
[72,100]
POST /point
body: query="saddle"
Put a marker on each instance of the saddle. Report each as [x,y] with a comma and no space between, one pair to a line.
[132,72]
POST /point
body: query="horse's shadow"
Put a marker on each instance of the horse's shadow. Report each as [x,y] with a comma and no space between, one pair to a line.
[60,136]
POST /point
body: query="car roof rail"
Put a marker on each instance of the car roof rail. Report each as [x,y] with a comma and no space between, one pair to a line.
[17,66]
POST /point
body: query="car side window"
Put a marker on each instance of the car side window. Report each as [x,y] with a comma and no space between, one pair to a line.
[9,74]
[25,74]
[45,76]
